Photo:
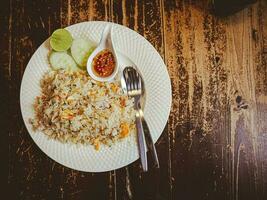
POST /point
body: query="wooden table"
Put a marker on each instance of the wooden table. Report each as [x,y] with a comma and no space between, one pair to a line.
[215,143]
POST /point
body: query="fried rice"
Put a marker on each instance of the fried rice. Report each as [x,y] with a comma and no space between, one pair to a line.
[74,108]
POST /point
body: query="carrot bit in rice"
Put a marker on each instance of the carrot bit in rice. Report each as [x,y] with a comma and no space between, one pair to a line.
[122,102]
[124,130]
[97,144]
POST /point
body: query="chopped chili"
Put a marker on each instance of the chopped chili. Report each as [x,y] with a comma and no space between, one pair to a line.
[104,63]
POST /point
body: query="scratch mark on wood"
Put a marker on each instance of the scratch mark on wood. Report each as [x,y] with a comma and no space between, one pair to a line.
[53,166]
[111,183]
[28,148]
[61,189]
[61,13]
[124,15]
[162,15]
[91,9]
[143,21]
[10,39]
[42,22]
[76,192]
[49,25]
[128,184]
[107,18]
[115,185]
[29,175]
[136,15]
[237,170]
[69,12]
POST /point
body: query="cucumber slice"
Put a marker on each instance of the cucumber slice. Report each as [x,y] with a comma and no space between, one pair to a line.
[61,40]
[81,49]
[62,60]
[74,68]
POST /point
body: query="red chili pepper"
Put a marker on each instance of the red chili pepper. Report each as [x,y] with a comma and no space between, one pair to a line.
[104,63]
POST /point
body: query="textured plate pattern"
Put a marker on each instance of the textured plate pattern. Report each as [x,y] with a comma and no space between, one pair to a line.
[158,100]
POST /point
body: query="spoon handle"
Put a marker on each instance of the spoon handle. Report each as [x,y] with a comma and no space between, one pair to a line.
[141,140]
[105,34]
[150,143]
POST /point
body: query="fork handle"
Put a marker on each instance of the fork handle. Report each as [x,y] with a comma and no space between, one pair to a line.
[150,143]
[141,140]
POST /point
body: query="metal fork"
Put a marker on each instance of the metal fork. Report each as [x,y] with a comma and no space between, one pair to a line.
[133,83]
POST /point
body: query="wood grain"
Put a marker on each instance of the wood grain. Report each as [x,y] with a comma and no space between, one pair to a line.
[214,145]
[198,81]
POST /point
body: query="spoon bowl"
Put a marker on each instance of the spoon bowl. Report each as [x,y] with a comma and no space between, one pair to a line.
[105,43]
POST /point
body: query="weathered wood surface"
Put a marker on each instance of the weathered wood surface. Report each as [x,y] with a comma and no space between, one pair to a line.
[215,143]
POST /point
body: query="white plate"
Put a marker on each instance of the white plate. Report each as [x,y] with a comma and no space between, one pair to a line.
[157,108]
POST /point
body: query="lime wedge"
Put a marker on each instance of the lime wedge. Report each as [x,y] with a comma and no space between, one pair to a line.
[60,40]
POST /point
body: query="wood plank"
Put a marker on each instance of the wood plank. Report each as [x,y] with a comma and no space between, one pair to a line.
[261,100]
[32,173]
[208,138]
[146,19]
[29,28]
[195,52]
[5,45]
[247,74]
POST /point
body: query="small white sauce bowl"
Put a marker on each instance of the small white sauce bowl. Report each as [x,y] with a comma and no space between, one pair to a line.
[105,43]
